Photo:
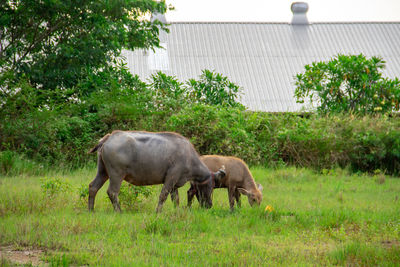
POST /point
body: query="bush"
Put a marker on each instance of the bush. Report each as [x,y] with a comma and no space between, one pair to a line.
[214,89]
[48,137]
[7,161]
[12,164]
[61,135]
[54,186]
[364,144]
[130,195]
[214,130]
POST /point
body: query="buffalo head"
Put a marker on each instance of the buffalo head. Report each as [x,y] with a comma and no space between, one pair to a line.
[203,190]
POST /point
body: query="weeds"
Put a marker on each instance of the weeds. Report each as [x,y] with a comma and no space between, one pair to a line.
[53,186]
[130,195]
[359,253]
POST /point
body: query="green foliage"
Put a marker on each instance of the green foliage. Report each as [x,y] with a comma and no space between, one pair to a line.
[60,261]
[62,133]
[167,86]
[215,130]
[60,141]
[12,163]
[7,161]
[214,89]
[365,144]
[48,136]
[59,135]
[83,192]
[109,79]
[169,93]
[129,195]
[348,84]
[55,44]
[51,187]
[160,226]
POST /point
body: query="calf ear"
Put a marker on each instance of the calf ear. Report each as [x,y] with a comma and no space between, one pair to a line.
[260,187]
[220,173]
[244,191]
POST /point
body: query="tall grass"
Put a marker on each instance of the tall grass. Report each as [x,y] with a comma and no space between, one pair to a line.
[329,218]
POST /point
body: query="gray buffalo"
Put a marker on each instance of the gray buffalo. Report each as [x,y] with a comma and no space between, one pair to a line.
[146,158]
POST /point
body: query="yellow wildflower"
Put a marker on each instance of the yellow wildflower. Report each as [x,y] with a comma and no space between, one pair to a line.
[269,208]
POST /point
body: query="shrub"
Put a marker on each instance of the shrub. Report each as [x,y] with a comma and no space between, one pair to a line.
[214,130]
[12,163]
[7,161]
[62,135]
[83,192]
[348,84]
[214,89]
[130,195]
[49,137]
[54,186]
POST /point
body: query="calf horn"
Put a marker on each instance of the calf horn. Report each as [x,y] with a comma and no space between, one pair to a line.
[220,174]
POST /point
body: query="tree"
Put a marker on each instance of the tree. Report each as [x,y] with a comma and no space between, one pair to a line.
[348,83]
[54,44]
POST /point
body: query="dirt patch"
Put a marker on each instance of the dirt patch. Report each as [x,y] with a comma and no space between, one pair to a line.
[24,256]
[390,243]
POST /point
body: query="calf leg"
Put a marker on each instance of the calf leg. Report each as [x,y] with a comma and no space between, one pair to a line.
[237,197]
[231,194]
[190,194]
[97,183]
[198,196]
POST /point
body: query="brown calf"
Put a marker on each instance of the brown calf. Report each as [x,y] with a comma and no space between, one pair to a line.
[238,180]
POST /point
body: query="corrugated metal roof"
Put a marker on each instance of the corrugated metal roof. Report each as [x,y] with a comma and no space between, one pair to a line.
[263,58]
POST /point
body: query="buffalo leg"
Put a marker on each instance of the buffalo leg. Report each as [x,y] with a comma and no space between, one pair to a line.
[97,183]
[113,191]
[175,197]
[166,189]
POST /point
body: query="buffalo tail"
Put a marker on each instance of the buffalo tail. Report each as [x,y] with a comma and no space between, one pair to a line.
[100,144]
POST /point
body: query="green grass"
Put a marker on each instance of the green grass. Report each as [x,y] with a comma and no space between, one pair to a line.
[332,218]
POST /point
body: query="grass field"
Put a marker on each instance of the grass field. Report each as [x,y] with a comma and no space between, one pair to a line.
[328,218]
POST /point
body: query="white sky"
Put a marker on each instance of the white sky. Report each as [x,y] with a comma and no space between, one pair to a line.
[279,10]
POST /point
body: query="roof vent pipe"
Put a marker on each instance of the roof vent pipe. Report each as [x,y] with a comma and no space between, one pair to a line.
[299,10]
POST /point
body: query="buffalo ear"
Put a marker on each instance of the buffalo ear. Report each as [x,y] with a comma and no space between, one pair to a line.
[260,187]
[244,191]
